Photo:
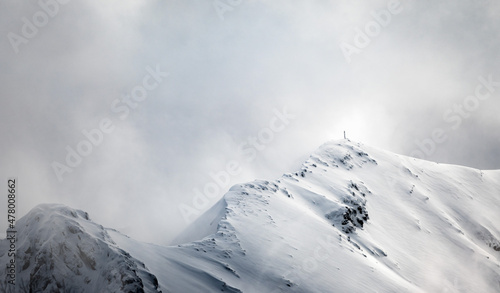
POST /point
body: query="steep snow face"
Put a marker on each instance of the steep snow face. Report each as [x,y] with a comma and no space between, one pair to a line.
[352,219]
[356,219]
[60,250]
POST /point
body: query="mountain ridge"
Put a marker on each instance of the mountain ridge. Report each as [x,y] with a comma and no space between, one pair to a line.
[352,218]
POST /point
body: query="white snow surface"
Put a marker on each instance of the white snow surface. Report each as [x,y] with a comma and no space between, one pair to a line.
[352,219]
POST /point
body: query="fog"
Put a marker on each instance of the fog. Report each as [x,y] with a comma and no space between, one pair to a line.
[162,98]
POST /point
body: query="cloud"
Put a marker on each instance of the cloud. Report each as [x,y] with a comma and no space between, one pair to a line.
[226,78]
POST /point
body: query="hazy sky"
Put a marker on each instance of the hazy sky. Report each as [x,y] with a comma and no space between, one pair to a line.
[170,92]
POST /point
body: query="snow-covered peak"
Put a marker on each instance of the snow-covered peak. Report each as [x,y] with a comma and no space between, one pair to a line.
[356,218]
[60,249]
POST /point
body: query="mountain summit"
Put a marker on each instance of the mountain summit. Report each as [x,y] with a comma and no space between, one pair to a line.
[60,249]
[352,219]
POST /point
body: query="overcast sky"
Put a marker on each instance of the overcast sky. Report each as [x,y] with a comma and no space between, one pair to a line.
[208,76]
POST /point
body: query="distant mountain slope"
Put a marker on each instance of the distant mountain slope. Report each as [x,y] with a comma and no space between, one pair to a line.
[352,219]
[61,250]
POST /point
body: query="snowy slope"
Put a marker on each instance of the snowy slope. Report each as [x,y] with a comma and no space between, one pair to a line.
[61,250]
[352,219]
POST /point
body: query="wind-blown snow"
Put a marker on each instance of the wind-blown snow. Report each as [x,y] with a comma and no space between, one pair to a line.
[352,219]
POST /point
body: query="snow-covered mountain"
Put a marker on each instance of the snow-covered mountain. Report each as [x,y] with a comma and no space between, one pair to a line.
[352,219]
[60,249]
